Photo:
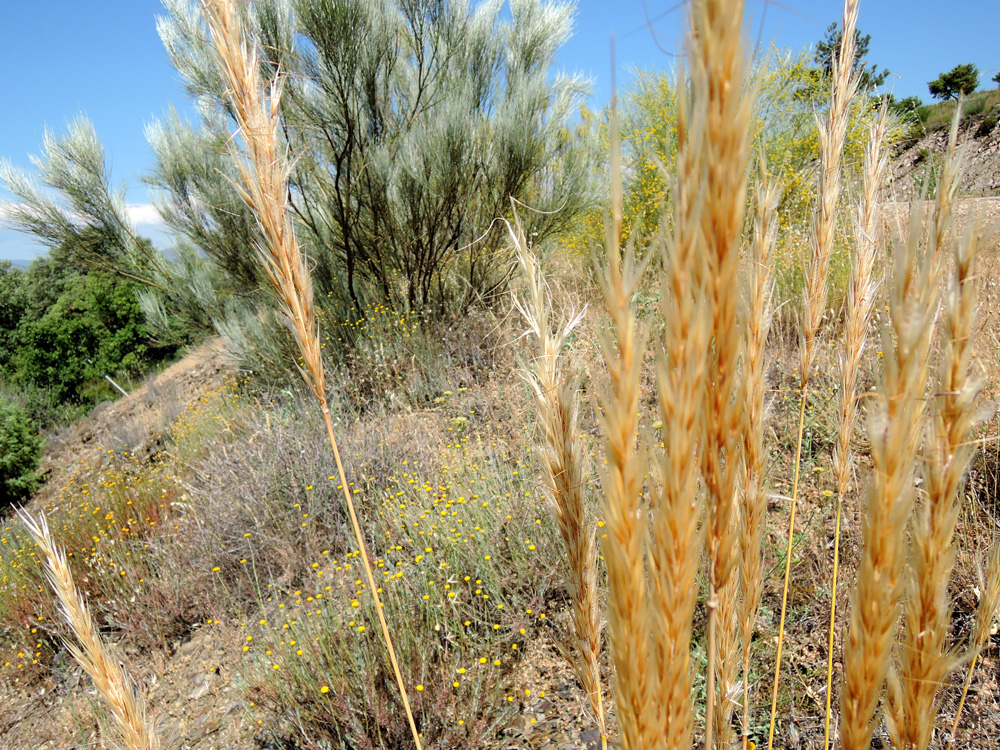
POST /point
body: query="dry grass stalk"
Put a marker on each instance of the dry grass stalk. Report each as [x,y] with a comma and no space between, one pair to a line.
[989,605]
[728,660]
[264,171]
[861,295]
[896,431]
[622,478]
[925,660]
[556,391]
[109,678]
[753,500]
[947,185]
[676,510]
[832,133]
[717,68]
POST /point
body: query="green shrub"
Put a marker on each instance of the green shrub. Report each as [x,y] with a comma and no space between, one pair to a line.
[404,148]
[20,450]
[13,302]
[975,106]
[791,91]
[986,126]
[907,110]
[96,317]
[906,107]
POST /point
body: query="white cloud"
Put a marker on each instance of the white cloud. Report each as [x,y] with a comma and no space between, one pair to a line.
[141,214]
[144,214]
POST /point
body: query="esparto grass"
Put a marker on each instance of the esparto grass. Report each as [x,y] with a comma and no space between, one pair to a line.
[925,658]
[717,67]
[556,390]
[622,479]
[122,700]
[861,296]
[896,430]
[832,133]
[753,498]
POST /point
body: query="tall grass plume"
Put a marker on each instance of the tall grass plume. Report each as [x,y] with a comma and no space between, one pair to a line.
[861,295]
[123,702]
[556,392]
[264,171]
[753,498]
[832,132]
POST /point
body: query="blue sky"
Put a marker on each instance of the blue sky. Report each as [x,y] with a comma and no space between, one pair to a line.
[103,57]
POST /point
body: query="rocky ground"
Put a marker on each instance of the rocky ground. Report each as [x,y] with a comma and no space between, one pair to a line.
[979,148]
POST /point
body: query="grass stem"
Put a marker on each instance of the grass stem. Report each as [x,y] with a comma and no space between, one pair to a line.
[788,568]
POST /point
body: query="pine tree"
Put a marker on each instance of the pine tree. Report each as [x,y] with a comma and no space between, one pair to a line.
[962,79]
[869,75]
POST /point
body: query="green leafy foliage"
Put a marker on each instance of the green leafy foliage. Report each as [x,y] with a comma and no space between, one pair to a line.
[907,107]
[68,204]
[13,302]
[96,317]
[962,79]
[987,126]
[790,94]
[974,106]
[792,90]
[20,449]
[649,138]
[910,112]
[64,325]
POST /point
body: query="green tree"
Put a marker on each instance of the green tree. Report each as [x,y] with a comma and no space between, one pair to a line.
[20,451]
[962,79]
[411,125]
[91,223]
[788,99]
[61,312]
[869,75]
[997,78]
[97,317]
[13,303]
[69,205]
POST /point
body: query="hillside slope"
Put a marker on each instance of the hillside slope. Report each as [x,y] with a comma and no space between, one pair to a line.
[979,136]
